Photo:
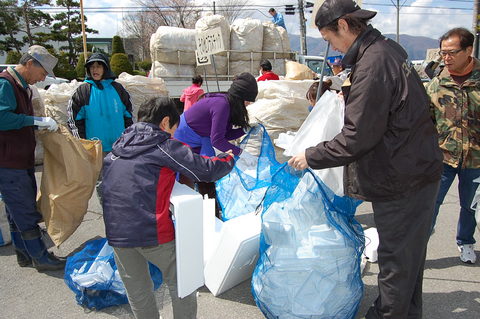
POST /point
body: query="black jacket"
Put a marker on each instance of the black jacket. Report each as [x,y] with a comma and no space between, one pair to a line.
[388,143]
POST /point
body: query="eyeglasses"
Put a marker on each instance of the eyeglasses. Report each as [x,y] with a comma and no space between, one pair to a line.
[449,52]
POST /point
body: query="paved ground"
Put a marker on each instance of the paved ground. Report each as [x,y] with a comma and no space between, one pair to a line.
[451,288]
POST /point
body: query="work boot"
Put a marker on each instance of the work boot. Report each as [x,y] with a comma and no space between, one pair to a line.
[23,259]
[42,260]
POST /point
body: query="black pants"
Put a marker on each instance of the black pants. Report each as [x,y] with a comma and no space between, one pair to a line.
[404,229]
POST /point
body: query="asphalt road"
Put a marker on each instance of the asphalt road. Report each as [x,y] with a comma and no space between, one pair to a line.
[451,288]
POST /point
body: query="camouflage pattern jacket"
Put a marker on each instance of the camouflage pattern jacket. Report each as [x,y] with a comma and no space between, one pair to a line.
[456,111]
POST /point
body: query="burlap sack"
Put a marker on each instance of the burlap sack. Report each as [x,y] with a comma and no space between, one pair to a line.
[70,171]
[297,71]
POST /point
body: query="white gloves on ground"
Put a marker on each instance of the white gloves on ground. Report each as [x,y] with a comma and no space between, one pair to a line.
[45,123]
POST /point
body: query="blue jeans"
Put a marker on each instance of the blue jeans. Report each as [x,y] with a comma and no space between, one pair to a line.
[19,192]
[466,191]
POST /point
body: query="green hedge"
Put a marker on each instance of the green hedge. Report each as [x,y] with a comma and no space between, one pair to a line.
[119,63]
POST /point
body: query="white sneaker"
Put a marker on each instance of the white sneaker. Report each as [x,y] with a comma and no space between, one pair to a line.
[467,254]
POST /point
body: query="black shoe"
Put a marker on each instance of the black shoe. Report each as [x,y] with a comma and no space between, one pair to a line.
[49,262]
[23,259]
[42,259]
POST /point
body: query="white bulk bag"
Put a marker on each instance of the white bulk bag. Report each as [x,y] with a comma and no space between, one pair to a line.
[246,35]
[237,67]
[160,69]
[275,39]
[281,106]
[173,45]
[56,100]
[215,21]
[141,89]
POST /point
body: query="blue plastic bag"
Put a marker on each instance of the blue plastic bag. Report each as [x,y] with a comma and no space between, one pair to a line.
[93,276]
[310,250]
[242,190]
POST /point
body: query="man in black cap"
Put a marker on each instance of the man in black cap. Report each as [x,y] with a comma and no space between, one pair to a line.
[389,148]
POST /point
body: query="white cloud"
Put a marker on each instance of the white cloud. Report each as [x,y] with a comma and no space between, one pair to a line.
[431,24]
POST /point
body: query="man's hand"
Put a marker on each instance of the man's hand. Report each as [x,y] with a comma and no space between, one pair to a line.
[45,123]
[298,162]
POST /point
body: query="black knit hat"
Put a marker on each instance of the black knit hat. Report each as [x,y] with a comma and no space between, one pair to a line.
[331,10]
[244,86]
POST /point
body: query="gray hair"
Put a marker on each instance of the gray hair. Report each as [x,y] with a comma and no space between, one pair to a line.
[27,57]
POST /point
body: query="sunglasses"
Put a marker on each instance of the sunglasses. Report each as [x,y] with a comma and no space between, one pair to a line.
[450,52]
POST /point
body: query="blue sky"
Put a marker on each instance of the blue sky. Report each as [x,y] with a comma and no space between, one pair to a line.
[429,18]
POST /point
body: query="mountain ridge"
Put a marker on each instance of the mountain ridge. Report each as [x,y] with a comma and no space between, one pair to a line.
[415,46]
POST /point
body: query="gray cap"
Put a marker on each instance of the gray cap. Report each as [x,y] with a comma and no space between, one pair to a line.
[331,10]
[43,57]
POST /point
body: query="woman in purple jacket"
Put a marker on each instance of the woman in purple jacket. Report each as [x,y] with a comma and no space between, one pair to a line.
[209,126]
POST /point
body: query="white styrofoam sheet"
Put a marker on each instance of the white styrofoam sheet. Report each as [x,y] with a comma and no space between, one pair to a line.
[235,253]
[188,213]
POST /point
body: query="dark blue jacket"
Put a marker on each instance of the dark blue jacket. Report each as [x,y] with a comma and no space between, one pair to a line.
[138,177]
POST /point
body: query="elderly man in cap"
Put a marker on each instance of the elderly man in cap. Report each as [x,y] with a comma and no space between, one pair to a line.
[389,148]
[17,148]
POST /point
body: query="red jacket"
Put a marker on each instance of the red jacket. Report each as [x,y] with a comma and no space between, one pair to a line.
[268,76]
[190,95]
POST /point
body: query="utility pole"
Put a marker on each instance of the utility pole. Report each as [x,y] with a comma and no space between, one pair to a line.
[476,27]
[303,31]
[214,10]
[398,6]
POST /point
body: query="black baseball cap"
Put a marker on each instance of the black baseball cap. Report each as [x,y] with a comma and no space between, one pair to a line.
[331,10]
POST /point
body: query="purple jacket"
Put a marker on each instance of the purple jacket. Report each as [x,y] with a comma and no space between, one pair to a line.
[138,177]
[211,118]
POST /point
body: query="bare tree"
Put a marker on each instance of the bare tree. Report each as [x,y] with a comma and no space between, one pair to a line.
[174,13]
[141,25]
[233,9]
[177,13]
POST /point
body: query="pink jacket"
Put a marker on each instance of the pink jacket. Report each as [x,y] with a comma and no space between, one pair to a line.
[190,95]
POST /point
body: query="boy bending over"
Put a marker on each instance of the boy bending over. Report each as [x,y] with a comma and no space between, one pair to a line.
[138,178]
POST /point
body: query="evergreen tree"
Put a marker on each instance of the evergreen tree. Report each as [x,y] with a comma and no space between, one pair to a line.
[13,57]
[117,45]
[119,63]
[67,27]
[10,26]
[34,19]
[63,69]
[80,68]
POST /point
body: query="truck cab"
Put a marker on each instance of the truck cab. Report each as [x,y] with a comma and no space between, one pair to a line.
[315,64]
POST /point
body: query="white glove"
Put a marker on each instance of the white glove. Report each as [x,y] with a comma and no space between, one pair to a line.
[45,123]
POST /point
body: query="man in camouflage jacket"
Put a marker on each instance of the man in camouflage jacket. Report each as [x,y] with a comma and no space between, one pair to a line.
[455,106]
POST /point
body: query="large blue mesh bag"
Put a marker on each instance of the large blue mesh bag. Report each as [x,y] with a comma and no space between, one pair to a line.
[310,250]
[242,190]
[93,276]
